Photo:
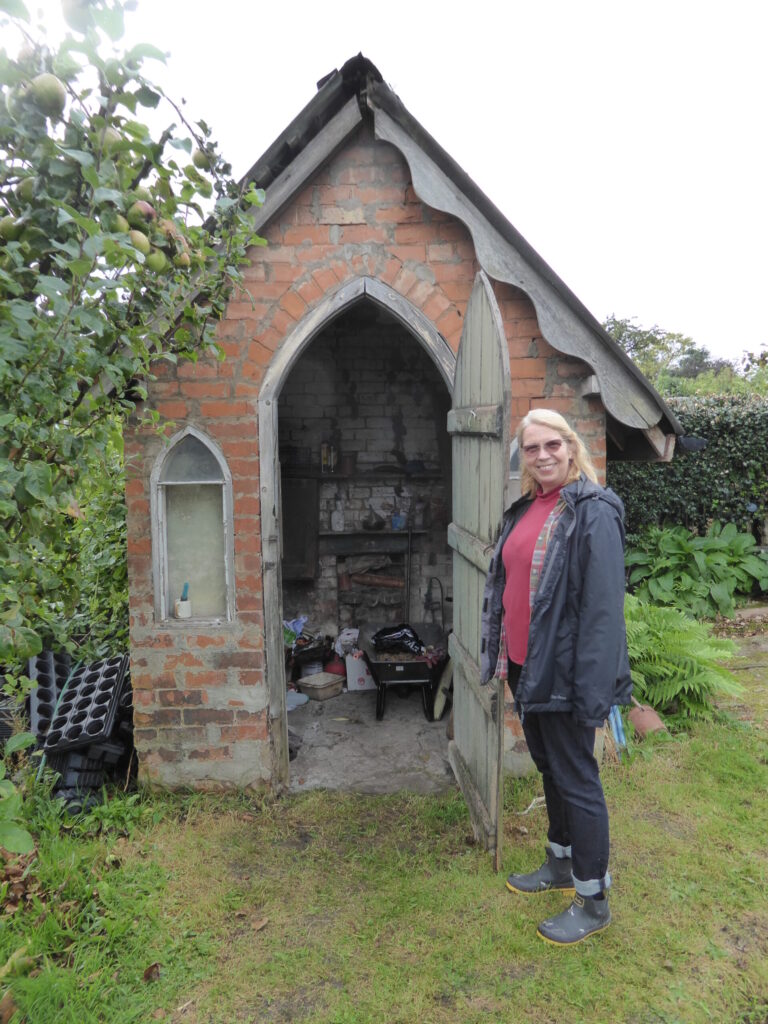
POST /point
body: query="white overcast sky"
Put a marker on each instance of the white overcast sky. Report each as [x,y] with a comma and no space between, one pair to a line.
[627,140]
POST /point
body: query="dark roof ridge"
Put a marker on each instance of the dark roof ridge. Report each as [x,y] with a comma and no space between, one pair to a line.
[333,91]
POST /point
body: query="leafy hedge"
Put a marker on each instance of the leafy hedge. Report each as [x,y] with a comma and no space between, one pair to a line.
[727,481]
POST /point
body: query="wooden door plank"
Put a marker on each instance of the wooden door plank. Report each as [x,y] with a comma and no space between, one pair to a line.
[476,551]
[470,672]
[484,830]
[479,424]
[477,419]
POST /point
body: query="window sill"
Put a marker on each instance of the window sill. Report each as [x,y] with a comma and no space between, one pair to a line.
[210,623]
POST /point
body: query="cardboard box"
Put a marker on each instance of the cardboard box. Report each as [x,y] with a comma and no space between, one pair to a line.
[358,674]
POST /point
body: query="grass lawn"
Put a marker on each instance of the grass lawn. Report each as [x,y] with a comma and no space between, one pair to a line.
[343,909]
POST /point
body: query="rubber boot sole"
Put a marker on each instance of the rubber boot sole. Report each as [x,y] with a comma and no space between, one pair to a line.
[574,942]
[569,890]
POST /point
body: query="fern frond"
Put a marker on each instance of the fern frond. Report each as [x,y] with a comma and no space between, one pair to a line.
[675,661]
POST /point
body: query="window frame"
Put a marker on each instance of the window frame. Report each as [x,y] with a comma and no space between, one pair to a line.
[513,478]
[158,512]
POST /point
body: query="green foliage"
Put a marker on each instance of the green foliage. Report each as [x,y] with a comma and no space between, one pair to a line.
[697,361]
[652,350]
[678,367]
[120,813]
[702,576]
[116,250]
[728,480]
[98,619]
[675,662]
[725,380]
[14,837]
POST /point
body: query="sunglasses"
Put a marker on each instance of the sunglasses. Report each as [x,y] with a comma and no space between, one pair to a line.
[530,451]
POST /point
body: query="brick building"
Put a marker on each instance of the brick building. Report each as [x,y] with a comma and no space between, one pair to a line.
[345,341]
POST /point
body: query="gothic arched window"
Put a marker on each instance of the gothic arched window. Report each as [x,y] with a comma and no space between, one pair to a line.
[192,530]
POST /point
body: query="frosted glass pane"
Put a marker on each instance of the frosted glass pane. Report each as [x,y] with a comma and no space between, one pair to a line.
[190,460]
[196,549]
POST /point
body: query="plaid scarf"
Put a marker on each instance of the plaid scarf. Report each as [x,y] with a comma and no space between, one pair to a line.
[537,563]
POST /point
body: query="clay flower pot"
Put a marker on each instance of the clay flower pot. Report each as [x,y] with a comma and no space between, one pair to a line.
[645,720]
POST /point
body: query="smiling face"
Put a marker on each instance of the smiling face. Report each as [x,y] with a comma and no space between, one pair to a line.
[547,456]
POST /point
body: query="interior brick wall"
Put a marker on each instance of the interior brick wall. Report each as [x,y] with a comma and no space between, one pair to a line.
[367,387]
[200,690]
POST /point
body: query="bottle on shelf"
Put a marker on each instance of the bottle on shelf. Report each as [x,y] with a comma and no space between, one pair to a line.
[337,517]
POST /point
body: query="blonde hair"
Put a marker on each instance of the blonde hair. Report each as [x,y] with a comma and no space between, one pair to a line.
[581,461]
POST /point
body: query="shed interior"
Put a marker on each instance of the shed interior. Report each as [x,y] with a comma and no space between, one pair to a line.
[365,478]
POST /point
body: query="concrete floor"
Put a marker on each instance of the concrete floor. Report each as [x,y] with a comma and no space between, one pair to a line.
[344,747]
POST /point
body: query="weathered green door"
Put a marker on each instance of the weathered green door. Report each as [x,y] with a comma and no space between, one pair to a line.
[479,425]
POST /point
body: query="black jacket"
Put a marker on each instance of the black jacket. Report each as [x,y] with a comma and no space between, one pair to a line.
[577,647]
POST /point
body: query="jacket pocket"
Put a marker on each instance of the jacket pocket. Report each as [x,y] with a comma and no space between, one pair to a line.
[563,663]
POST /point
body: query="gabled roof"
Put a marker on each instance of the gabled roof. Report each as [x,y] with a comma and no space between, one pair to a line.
[356,93]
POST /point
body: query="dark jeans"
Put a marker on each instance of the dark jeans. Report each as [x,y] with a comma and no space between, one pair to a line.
[563,752]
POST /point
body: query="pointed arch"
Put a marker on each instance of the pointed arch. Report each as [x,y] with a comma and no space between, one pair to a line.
[196,477]
[345,296]
[294,344]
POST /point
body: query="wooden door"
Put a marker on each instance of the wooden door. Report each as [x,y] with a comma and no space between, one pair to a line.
[479,425]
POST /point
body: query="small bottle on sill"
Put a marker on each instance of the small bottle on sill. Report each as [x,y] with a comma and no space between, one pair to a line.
[337,517]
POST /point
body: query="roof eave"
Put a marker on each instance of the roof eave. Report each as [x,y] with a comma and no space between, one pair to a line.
[379,95]
[561,314]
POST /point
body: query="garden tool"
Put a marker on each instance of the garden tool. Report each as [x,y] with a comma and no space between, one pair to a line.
[617,730]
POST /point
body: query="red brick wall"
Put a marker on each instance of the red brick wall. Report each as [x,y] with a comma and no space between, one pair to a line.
[201,699]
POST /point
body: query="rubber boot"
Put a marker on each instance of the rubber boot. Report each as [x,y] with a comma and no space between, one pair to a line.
[584,917]
[554,873]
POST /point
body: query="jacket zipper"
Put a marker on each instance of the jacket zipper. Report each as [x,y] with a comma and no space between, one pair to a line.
[553,550]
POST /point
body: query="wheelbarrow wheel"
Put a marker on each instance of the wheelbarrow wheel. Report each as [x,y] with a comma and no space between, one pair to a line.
[427,701]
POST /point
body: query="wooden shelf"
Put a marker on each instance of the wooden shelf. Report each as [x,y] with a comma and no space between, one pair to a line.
[365,542]
[360,477]
[369,533]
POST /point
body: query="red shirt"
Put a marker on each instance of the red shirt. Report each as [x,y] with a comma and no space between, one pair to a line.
[517,555]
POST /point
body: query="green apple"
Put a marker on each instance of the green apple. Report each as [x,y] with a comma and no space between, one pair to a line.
[201,160]
[10,229]
[156,261]
[141,213]
[111,139]
[182,259]
[119,223]
[168,228]
[48,95]
[139,241]
[25,190]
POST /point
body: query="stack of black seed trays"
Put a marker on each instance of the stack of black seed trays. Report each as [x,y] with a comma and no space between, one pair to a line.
[82,717]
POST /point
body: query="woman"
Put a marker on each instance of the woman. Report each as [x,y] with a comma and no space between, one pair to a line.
[553,623]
